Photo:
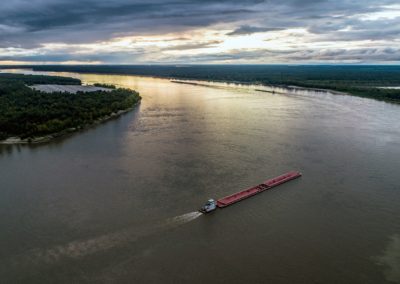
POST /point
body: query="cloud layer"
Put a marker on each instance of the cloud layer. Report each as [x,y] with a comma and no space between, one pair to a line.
[208,31]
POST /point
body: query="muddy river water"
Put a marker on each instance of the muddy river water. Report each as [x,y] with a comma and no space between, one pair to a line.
[117,203]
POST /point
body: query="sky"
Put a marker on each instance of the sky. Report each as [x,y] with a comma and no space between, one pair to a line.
[200,32]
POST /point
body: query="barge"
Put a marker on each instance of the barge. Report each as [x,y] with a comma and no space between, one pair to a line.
[211,205]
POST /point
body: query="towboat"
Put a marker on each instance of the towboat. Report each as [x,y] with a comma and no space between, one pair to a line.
[210,206]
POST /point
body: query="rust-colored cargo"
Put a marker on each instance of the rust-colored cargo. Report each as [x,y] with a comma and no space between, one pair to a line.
[236,197]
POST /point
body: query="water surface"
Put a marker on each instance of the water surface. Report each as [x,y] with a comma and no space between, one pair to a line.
[116,203]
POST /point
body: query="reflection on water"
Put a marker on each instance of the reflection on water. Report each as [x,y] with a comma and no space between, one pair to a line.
[121,80]
[283,90]
[87,208]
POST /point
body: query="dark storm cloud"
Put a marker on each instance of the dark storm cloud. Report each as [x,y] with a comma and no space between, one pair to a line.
[29,23]
[110,57]
[26,23]
[246,30]
[359,55]
[379,29]
[196,45]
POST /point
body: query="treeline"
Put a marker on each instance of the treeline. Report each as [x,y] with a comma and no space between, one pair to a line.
[102,85]
[7,78]
[359,80]
[28,113]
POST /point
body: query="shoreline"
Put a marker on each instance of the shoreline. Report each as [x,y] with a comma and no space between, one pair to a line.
[288,87]
[181,80]
[50,137]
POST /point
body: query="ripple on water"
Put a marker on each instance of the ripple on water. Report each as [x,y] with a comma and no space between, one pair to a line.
[390,259]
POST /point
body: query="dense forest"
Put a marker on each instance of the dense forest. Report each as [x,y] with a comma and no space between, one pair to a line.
[359,80]
[19,79]
[27,113]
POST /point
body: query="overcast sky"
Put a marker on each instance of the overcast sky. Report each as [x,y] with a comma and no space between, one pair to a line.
[204,31]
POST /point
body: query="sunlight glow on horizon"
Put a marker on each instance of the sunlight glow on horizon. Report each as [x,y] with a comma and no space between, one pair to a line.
[214,44]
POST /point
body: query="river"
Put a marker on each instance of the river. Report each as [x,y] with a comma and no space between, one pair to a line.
[117,203]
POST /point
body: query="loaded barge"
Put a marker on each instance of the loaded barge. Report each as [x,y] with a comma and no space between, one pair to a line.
[211,205]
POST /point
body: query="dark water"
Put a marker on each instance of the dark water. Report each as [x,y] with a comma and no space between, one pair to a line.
[116,203]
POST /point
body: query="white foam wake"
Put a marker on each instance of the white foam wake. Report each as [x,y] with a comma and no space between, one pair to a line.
[81,248]
[185,218]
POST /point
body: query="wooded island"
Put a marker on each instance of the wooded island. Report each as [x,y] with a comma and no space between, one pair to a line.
[28,115]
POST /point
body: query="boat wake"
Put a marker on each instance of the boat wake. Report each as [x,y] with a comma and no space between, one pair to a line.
[82,248]
[185,218]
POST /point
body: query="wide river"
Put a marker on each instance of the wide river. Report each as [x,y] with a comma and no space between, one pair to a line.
[117,203]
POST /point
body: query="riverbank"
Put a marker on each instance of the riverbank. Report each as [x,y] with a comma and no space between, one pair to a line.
[286,87]
[28,115]
[352,80]
[362,92]
[49,137]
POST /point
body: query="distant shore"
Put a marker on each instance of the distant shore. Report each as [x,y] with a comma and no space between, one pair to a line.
[360,81]
[288,87]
